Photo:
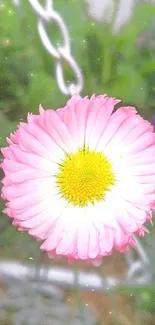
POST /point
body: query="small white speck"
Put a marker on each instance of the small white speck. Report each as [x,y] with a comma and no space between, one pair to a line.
[131,294]
[92,24]
[31,258]
[10,11]
[107,288]
[110,312]
[31,74]
[84,41]
[86,305]
[6,58]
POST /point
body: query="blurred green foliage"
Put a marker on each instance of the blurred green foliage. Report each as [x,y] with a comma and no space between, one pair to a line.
[120,65]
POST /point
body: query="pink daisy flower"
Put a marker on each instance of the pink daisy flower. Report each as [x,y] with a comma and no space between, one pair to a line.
[82,178]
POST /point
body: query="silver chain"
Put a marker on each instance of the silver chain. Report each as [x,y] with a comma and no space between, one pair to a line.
[62,53]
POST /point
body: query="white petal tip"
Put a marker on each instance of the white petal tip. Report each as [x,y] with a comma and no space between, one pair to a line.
[97,262]
[41,110]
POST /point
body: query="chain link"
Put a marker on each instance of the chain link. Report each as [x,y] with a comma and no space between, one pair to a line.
[139,268]
[63,53]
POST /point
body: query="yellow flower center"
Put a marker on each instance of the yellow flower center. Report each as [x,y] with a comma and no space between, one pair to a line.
[85,177]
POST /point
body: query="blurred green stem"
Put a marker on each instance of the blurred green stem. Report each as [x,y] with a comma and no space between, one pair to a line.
[77,295]
[106,55]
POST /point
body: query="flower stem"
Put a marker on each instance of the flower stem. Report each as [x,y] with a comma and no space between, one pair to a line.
[77,295]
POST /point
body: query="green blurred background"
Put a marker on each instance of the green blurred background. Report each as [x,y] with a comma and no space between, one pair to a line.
[119,64]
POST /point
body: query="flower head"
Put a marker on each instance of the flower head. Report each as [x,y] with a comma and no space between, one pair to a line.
[82,178]
[106,11]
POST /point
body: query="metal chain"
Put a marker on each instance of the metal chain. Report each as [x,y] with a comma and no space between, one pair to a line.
[139,268]
[61,53]
[46,15]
